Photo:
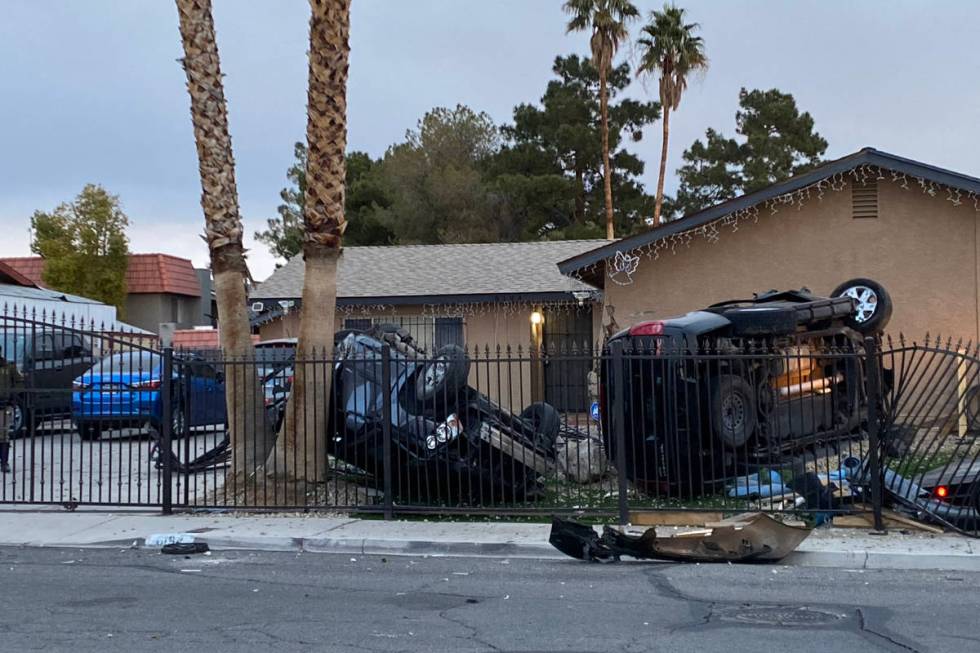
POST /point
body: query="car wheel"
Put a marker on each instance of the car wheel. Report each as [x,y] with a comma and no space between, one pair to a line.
[89,432]
[396,331]
[178,422]
[873,305]
[20,421]
[545,421]
[733,410]
[442,378]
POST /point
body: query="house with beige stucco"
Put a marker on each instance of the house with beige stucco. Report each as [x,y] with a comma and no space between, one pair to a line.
[909,225]
[501,301]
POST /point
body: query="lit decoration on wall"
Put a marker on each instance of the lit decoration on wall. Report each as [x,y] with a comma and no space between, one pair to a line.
[621,266]
[624,265]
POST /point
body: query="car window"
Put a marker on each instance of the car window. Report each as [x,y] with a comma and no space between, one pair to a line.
[12,345]
[44,347]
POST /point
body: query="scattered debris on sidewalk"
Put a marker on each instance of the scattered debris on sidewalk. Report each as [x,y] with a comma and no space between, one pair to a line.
[751,537]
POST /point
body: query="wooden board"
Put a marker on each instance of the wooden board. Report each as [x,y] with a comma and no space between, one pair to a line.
[890,519]
[673,518]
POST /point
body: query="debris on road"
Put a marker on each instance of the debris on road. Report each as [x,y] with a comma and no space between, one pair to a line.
[185,548]
[752,537]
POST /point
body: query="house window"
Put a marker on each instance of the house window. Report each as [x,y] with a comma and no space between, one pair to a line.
[864,199]
[448,331]
[429,332]
[357,324]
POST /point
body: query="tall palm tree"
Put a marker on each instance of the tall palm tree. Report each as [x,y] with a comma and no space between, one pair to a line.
[668,45]
[607,19]
[300,452]
[223,231]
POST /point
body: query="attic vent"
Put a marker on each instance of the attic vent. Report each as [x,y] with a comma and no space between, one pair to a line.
[864,199]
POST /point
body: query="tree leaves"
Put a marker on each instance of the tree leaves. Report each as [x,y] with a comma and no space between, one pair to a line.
[84,246]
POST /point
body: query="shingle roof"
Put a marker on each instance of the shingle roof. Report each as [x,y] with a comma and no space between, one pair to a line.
[146,274]
[865,156]
[441,272]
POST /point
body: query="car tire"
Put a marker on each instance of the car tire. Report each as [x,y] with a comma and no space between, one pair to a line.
[874,305]
[22,419]
[394,330]
[762,320]
[733,410]
[546,422]
[440,381]
[89,432]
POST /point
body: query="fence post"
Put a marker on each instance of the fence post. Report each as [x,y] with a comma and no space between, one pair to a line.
[386,428]
[166,429]
[618,425]
[872,372]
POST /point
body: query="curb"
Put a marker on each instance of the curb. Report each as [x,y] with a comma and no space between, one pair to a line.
[854,559]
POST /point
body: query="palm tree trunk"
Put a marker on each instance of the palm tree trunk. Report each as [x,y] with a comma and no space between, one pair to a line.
[606,172]
[663,167]
[301,452]
[223,231]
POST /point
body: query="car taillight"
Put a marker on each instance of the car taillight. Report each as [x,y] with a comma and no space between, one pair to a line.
[647,329]
[152,384]
[942,491]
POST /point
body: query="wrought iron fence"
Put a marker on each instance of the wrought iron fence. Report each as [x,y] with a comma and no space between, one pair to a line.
[817,426]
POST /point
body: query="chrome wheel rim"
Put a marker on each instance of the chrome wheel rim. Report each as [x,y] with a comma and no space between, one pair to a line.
[17,423]
[865,302]
[435,373]
[177,421]
[733,412]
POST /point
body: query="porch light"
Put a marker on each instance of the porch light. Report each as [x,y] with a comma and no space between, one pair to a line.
[537,317]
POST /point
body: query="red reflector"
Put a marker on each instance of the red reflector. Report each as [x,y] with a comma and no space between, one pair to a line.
[647,329]
[942,491]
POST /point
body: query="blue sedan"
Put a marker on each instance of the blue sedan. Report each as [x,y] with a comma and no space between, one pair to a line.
[124,390]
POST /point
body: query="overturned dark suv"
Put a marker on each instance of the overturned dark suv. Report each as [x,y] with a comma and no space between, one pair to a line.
[716,391]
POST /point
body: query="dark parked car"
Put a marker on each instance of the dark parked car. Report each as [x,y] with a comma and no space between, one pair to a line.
[124,390]
[449,442]
[742,381]
[49,360]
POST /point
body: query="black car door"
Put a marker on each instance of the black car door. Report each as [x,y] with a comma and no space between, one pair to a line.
[44,372]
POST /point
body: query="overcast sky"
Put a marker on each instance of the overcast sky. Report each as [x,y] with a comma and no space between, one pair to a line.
[92,90]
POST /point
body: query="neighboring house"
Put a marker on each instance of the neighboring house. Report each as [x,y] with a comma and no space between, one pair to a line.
[200,339]
[479,295]
[911,226]
[23,303]
[160,289]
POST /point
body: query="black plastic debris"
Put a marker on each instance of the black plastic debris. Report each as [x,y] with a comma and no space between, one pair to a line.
[185,548]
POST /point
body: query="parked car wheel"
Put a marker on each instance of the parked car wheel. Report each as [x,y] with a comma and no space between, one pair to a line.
[546,421]
[178,422]
[89,432]
[20,421]
[440,382]
[733,410]
[872,302]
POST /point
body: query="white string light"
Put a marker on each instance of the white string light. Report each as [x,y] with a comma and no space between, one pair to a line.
[711,231]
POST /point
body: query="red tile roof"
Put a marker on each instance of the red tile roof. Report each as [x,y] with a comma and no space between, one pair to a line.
[10,274]
[199,339]
[147,273]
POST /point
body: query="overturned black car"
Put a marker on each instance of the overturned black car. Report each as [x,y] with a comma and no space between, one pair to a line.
[714,392]
[447,443]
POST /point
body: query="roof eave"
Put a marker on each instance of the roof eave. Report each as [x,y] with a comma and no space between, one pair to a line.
[866,156]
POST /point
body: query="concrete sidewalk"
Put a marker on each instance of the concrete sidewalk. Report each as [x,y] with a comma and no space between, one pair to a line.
[826,547]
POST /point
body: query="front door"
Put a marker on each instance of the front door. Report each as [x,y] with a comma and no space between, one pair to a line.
[567,341]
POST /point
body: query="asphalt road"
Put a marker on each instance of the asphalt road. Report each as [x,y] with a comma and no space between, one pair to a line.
[130,600]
